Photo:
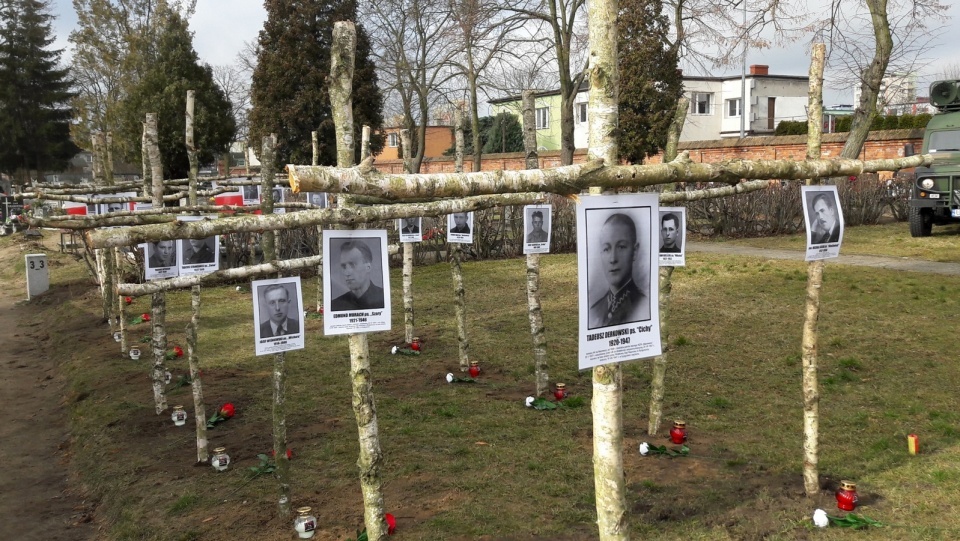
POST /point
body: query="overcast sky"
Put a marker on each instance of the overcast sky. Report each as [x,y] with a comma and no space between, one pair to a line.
[222,26]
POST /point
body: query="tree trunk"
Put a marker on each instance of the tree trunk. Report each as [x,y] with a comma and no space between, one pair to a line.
[608,480]
[408,314]
[808,345]
[196,385]
[456,270]
[534,310]
[364,408]
[158,304]
[121,305]
[872,79]
[658,378]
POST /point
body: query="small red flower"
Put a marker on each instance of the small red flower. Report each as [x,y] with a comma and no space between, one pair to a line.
[391,523]
[128,300]
[226,411]
[289,453]
[178,351]
[145,316]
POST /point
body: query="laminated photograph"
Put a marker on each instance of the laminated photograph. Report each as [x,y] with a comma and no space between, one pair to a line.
[356,281]
[277,315]
[617,244]
[460,227]
[824,220]
[409,229]
[198,256]
[317,199]
[160,260]
[251,194]
[106,208]
[536,228]
[673,236]
[278,193]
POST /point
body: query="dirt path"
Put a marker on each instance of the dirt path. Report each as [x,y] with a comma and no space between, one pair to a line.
[892,263]
[35,501]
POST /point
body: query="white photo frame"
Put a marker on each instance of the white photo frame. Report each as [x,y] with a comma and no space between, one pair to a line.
[198,256]
[537,225]
[410,229]
[356,281]
[823,218]
[278,320]
[672,231]
[460,230]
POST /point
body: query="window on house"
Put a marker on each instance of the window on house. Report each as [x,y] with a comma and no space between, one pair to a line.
[393,140]
[580,112]
[733,107]
[700,103]
[543,118]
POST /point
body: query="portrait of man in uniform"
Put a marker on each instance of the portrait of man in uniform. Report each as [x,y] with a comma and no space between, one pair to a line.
[670,233]
[623,301]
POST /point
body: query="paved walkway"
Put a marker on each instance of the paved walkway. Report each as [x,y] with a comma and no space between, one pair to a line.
[892,263]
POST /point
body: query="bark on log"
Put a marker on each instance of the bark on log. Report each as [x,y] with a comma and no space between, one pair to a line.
[572,179]
[196,385]
[811,314]
[608,479]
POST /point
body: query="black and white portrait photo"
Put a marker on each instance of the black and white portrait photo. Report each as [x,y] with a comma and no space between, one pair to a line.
[824,220]
[317,199]
[618,239]
[672,227]
[160,260]
[251,194]
[278,315]
[460,227]
[409,229]
[278,198]
[198,256]
[356,281]
[536,228]
[106,208]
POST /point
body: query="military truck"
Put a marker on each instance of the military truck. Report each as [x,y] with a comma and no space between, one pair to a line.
[935,195]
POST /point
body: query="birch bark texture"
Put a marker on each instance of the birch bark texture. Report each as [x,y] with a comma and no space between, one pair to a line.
[409,317]
[534,308]
[158,302]
[370,461]
[811,313]
[456,258]
[607,403]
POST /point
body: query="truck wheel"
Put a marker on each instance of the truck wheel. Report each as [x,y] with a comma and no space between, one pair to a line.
[921,223]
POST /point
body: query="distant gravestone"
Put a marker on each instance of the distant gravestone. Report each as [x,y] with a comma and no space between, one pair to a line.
[38,275]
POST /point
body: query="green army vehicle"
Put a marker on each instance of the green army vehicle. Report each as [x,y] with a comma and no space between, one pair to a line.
[935,195]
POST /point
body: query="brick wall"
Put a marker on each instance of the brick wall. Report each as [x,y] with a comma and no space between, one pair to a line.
[880,145]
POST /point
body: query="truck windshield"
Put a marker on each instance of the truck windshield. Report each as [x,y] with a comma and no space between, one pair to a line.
[944,141]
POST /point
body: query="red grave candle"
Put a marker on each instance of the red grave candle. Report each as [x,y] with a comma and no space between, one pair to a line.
[847,498]
[678,434]
[474,369]
[561,391]
[415,345]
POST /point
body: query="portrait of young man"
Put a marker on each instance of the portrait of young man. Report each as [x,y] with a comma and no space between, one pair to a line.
[278,198]
[163,253]
[623,301]
[278,316]
[356,288]
[670,233]
[318,199]
[460,224]
[276,303]
[356,269]
[411,226]
[196,251]
[536,232]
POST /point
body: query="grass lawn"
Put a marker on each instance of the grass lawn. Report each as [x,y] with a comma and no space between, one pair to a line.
[469,461]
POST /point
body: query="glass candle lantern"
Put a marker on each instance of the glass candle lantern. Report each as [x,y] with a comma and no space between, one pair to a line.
[305,523]
[474,369]
[415,344]
[847,498]
[678,434]
[134,353]
[220,459]
[560,392]
[116,336]
[178,416]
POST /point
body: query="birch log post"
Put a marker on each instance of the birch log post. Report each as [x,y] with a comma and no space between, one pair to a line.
[657,380]
[456,256]
[121,305]
[268,239]
[314,160]
[534,309]
[808,346]
[607,403]
[370,460]
[409,318]
[158,303]
[193,326]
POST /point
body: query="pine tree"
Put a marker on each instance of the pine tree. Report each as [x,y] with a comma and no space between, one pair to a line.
[289,89]
[163,90]
[504,134]
[34,91]
[650,83]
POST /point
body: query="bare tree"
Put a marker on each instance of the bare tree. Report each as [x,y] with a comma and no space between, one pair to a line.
[234,80]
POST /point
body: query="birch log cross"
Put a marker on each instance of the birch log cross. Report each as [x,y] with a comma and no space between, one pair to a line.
[455,252]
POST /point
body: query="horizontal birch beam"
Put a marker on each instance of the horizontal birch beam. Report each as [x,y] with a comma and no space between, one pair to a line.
[227,275]
[572,179]
[720,191]
[201,229]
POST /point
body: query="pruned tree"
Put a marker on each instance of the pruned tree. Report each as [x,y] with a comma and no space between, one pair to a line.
[34,94]
[163,89]
[289,89]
